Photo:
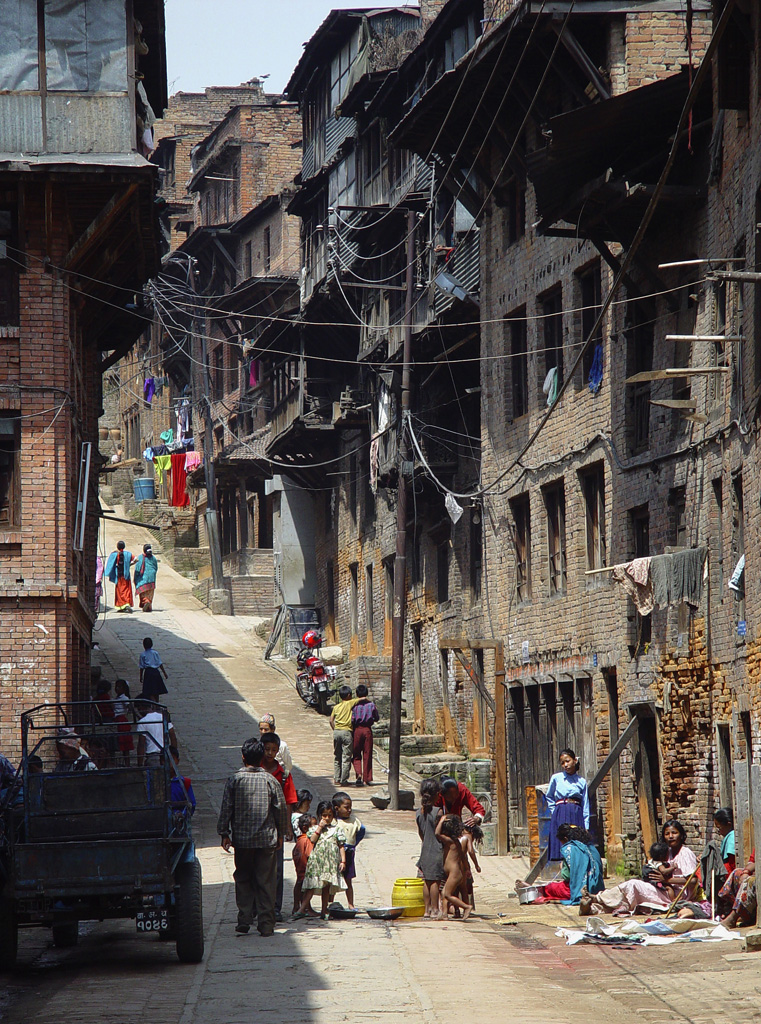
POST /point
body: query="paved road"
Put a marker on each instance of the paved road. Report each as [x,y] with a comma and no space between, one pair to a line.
[362,971]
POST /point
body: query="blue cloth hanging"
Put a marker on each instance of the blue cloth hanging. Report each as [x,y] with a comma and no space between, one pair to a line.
[595,372]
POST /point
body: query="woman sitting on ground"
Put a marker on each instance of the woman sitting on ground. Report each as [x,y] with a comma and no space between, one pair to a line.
[740,890]
[629,896]
[581,868]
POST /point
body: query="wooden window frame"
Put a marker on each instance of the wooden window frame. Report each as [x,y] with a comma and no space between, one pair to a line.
[557,568]
[520,508]
[593,487]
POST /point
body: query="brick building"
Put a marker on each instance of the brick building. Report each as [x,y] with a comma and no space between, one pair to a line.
[78,238]
[634,460]
[234,252]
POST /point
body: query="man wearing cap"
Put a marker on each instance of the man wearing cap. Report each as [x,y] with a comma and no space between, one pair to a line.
[71,757]
[146,567]
[455,797]
[283,756]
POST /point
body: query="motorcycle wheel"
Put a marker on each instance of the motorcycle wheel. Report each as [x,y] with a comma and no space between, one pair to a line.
[323,708]
[302,687]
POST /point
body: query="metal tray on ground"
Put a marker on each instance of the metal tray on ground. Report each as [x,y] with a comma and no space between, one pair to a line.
[385,913]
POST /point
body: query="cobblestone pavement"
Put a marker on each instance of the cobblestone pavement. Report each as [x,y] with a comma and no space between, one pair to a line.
[493,967]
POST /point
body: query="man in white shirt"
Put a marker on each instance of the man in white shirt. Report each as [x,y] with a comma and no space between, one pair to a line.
[150,734]
[267,724]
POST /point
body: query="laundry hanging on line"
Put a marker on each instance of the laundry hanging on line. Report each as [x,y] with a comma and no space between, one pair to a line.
[595,372]
[737,579]
[663,580]
[550,386]
[149,389]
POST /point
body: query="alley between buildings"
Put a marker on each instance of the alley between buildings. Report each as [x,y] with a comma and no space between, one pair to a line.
[493,968]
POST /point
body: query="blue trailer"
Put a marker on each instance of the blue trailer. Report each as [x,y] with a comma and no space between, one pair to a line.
[92,845]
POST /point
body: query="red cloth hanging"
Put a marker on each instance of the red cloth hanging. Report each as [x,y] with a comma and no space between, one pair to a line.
[179,494]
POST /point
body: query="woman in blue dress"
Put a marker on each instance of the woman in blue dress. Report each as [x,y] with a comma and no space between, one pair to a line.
[567,799]
[146,567]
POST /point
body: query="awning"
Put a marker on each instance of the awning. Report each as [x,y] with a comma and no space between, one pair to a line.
[601,162]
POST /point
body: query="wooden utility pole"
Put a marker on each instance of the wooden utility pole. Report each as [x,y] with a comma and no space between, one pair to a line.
[400,562]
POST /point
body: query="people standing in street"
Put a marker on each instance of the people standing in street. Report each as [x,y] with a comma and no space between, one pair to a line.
[253,820]
[151,670]
[146,568]
[301,852]
[567,800]
[343,739]
[150,732]
[363,715]
[304,802]
[431,861]
[354,832]
[100,568]
[118,572]
[267,724]
[448,832]
[271,743]
[181,788]
[455,797]
[123,729]
[327,861]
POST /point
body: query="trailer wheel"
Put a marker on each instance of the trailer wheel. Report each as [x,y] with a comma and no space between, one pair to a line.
[8,936]
[66,935]
[189,912]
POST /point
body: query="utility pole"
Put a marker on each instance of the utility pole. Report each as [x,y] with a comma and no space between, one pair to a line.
[400,562]
[219,599]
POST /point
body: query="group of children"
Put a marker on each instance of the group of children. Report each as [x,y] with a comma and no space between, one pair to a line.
[448,844]
[324,852]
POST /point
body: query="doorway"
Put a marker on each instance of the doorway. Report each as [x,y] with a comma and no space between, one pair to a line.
[647,773]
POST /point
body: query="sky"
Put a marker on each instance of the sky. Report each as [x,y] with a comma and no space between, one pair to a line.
[226,42]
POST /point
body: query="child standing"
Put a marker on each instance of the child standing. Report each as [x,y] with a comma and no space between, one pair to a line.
[327,861]
[301,853]
[151,671]
[448,831]
[363,716]
[431,862]
[472,835]
[354,833]
[123,729]
[303,803]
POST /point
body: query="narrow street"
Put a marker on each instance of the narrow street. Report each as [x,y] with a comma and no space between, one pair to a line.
[353,971]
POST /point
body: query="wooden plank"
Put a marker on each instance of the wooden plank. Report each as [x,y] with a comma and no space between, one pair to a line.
[500,751]
[645,796]
[479,644]
[705,337]
[614,755]
[686,404]
[695,417]
[670,373]
[475,679]
[537,867]
[110,212]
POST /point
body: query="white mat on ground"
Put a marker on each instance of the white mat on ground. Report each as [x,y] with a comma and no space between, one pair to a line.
[653,933]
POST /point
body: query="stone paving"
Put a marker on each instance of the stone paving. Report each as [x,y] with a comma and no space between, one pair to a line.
[493,967]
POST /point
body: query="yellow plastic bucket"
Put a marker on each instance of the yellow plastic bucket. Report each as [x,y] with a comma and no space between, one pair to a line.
[408,893]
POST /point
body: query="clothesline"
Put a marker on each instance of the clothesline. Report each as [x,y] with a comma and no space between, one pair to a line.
[611,568]
[660,580]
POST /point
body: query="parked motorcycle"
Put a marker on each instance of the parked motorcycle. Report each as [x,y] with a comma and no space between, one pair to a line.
[313,677]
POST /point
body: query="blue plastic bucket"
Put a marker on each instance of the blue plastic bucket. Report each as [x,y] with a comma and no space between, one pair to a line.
[144,488]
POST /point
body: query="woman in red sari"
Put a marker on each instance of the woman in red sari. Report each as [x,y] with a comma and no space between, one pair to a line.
[118,571]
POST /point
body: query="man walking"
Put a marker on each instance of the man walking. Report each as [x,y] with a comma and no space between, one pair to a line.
[253,820]
[343,741]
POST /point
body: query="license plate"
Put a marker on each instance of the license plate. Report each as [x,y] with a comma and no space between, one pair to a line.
[152,920]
